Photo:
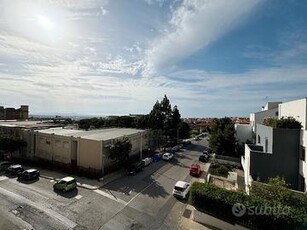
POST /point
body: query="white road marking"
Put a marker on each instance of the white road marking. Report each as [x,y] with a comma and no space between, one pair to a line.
[110,196]
[65,221]
[139,193]
[78,197]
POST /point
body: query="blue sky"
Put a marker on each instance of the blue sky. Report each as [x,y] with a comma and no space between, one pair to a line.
[212,58]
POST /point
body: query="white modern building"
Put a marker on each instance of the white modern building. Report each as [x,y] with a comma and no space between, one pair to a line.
[276,151]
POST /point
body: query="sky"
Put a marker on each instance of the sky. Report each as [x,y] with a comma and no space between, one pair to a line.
[212,58]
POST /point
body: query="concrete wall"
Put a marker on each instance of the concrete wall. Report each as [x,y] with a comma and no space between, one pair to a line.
[89,153]
[135,149]
[296,109]
[243,132]
[303,164]
[272,105]
[53,148]
[284,159]
[62,149]
[259,117]
[265,133]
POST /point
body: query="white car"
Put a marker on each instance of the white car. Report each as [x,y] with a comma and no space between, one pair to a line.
[147,161]
[181,189]
[167,156]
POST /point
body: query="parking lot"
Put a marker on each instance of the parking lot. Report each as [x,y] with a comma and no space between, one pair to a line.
[143,201]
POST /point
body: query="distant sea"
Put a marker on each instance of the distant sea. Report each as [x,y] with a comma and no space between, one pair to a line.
[63,116]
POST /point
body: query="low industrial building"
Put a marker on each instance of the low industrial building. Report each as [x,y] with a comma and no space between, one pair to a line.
[86,150]
[24,130]
[71,147]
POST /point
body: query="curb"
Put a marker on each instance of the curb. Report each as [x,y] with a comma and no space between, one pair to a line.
[89,187]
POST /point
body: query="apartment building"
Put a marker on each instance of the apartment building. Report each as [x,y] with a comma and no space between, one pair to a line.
[14,114]
[277,151]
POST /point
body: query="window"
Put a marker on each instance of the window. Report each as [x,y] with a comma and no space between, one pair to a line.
[302,153]
[276,113]
[266,144]
[258,139]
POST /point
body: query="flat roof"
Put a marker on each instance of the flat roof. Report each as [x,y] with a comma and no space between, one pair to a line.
[97,134]
[26,124]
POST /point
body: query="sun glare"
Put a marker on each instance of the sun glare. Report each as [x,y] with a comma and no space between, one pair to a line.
[45,22]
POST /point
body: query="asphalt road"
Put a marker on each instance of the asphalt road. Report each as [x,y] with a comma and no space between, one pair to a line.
[143,201]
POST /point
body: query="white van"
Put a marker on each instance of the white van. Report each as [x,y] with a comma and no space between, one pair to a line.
[181,189]
[146,161]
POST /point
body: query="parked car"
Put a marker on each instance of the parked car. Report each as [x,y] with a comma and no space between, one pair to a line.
[195,170]
[181,189]
[186,142]
[205,152]
[14,170]
[203,158]
[4,165]
[167,156]
[135,168]
[147,161]
[156,157]
[29,174]
[65,184]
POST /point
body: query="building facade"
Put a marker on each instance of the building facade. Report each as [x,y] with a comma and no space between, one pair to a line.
[14,114]
[87,150]
[276,151]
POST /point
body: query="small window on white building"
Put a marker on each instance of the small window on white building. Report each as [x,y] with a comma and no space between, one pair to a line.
[258,139]
[302,153]
[266,145]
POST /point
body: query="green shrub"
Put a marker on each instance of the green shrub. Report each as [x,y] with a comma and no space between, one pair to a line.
[220,170]
[219,202]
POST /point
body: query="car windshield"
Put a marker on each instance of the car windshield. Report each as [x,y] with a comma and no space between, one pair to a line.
[179,189]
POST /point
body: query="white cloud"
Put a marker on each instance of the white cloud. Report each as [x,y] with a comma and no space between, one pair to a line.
[196,24]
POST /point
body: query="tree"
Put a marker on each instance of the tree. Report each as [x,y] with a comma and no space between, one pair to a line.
[162,117]
[222,140]
[286,123]
[120,150]
[184,131]
[8,144]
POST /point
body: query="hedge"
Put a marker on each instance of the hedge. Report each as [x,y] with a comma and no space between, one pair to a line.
[218,202]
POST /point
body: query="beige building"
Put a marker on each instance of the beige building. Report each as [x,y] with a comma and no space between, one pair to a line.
[24,130]
[87,150]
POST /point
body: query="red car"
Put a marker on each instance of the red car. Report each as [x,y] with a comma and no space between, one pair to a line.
[195,170]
